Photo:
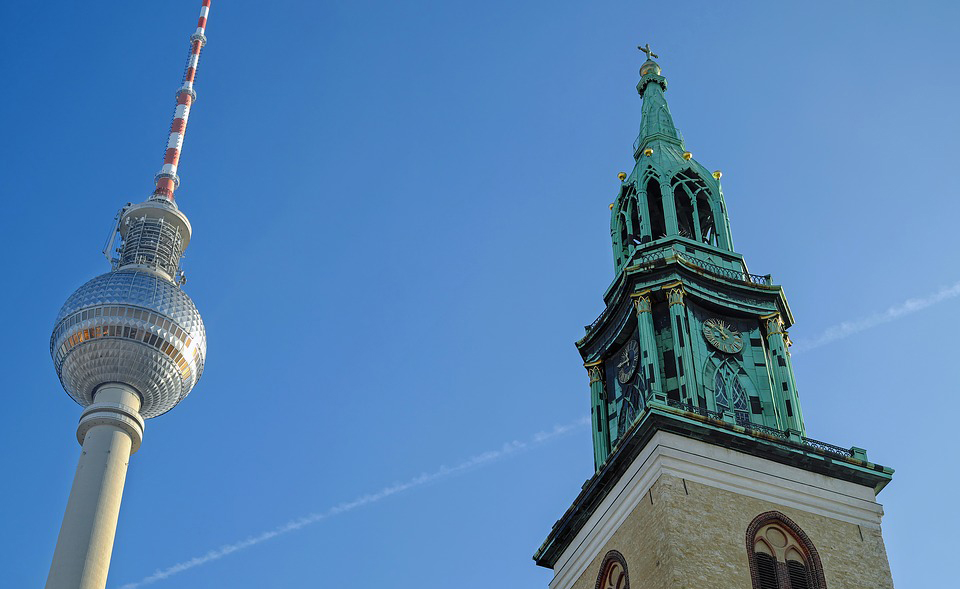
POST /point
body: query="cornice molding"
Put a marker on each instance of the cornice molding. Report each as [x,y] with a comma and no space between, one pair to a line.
[722,468]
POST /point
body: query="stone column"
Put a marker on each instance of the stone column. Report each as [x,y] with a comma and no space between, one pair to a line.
[683,350]
[601,424]
[785,387]
[110,430]
[649,354]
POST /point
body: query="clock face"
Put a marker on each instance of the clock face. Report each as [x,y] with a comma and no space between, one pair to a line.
[627,361]
[722,336]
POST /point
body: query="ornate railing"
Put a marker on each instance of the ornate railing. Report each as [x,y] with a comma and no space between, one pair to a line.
[738,275]
[690,408]
[763,429]
[652,257]
[828,447]
[671,252]
[590,327]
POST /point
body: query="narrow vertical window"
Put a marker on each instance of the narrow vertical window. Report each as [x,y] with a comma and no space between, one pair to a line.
[708,230]
[635,233]
[720,391]
[658,226]
[740,402]
[624,234]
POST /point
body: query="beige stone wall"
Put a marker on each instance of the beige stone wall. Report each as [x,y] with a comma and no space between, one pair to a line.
[644,540]
[694,538]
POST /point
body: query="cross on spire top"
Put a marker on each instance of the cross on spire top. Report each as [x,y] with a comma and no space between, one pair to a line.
[646,49]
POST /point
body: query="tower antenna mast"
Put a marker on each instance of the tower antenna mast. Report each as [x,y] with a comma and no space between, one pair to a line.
[167,180]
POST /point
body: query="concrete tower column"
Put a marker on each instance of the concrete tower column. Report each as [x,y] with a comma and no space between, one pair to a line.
[110,431]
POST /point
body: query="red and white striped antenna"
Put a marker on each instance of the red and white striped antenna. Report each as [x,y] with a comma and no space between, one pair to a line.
[167,180]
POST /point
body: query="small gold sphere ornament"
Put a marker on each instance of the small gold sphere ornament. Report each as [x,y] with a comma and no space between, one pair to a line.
[687,155]
[611,206]
[622,176]
[717,174]
[648,151]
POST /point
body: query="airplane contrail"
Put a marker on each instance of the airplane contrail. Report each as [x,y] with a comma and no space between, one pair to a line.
[847,328]
[484,459]
[832,334]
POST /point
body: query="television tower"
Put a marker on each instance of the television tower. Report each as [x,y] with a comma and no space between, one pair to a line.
[128,345]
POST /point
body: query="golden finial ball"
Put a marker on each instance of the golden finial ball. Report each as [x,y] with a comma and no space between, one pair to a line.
[622,176]
[648,151]
[687,155]
[717,174]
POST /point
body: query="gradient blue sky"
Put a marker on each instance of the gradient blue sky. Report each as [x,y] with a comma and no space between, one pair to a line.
[401,226]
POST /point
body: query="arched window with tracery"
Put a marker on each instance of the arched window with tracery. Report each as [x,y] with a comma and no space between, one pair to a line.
[729,391]
[781,555]
[613,572]
[696,218]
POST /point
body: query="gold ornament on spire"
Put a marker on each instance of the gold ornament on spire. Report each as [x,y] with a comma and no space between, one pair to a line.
[649,66]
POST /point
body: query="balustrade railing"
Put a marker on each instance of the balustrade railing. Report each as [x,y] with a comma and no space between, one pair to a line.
[828,447]
[738,275]
[710,268]
[690,408]
[758,428]
[765,429]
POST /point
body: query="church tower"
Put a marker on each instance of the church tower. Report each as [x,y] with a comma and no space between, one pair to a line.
[704,475]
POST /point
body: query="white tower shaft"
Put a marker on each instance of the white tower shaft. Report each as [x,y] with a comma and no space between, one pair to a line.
[110,431]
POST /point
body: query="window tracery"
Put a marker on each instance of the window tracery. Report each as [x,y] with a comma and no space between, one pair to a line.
[695,215]
[781,555]
[729,392]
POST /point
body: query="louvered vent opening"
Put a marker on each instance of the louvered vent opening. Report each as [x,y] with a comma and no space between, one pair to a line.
[799,578]
[767,571]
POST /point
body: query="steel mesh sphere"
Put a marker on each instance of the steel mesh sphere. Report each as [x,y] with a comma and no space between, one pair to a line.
[132,327]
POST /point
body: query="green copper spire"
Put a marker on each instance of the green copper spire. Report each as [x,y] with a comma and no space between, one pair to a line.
[657,122]
[686,325]
[668,195]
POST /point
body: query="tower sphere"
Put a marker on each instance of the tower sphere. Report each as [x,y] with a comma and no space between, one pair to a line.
[132,326]
[650,67]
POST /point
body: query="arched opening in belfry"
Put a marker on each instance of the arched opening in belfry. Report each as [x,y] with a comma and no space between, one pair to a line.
[684,207]
[708,228]
[695,215]
[624,235]
[658,224]
[634,216]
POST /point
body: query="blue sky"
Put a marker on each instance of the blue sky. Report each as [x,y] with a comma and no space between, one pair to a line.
[401,226]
